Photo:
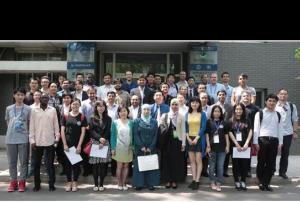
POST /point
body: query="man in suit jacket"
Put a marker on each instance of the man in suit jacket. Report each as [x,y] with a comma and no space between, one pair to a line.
[159,107]
[143,91]
[79,93]
[135,109]
[191,89]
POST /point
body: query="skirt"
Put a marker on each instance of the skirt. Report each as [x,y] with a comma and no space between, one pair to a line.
[97,160]
[194,148]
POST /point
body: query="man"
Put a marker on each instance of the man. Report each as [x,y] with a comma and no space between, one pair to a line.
[228,88]
[45,84]
[251,110]
[182,80]
[204,79]
[112,108]
[129,84]
[150,81]
[202,89]
[44,136]
[122,96]
[157,81]
[165,90]
[107,87]
[90,82]
[79,77]
[158,108]
[145,94]
[54,98]
[173,89]
[79,93]
[33,88]
[268,140]
[135,108]
[183,91]
[213,88]
[61,78]
[289,117]
[192,88]
[65,88]
[236,91]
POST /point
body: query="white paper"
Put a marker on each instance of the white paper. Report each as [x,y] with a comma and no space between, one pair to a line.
[216,139]
[96,152]
[239,136]
[242,154]
[72,156]
[148,162]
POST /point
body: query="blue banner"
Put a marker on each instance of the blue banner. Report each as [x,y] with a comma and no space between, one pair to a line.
[81,55]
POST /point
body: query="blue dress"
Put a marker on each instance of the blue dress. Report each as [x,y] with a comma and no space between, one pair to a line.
[144,135]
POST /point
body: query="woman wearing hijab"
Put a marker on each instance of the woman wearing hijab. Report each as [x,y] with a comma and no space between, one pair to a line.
[173,161]
[144,141]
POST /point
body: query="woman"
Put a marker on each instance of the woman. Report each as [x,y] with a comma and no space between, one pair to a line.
[172,152]
[121,145]
[100,127]
[217,146]
[240,134]
[144,141]
[72,134]
[195,122]
[183,109]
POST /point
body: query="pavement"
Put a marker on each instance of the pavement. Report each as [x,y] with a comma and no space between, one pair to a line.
[283,189]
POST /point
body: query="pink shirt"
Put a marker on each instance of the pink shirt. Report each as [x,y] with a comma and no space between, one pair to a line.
[43,127]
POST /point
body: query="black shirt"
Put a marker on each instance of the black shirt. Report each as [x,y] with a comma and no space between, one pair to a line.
[251,110]
[220,129]
[243,127]
[73,128]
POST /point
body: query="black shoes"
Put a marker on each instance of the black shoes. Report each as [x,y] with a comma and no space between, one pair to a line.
[192,184]
[151,188]
[284,176]
[36,188]
[138,188]
[265,187]
[52,188]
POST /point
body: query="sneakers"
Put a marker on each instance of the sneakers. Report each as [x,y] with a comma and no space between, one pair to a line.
[218,188]
[22,185]
[120,188]
[13,185]
[95,188]
[74,186]
[243,186]
[68,187]
[213,186]
[101,188]
[238,186]
[125,188]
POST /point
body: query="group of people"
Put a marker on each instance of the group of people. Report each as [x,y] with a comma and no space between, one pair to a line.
[179,122]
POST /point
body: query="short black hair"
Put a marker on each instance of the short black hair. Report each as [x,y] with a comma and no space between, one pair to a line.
[223,74]
[111,92]
[245,76]
[79,73]
[221,91]
[107,74]
[151,73]
[20,90]
[272,96]
[170,74]
[67,94]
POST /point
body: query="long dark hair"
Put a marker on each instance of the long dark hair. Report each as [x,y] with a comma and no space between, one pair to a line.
[195,99]
[213,110]
[243,116]
[96,113]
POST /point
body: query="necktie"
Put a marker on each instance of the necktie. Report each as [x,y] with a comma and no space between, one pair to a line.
[191,93]
[158,113]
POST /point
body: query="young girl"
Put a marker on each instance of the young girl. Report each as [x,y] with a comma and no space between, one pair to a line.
[100,126]
[195,128]
[240,134]
[217,146]
[72,133]
[121,145]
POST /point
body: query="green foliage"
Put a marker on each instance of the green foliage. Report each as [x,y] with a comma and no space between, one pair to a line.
[297,53]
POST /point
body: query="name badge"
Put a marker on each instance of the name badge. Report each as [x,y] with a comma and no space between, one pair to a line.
[216,139]
[239,136]
[221,126]
[78,123]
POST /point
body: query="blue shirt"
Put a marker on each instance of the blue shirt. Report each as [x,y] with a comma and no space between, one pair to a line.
[127,87]
[212,90]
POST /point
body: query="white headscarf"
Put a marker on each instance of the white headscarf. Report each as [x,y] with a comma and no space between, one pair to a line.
[173,115]
[144,118]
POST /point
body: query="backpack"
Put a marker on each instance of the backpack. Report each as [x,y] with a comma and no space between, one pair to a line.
[261,116]
[292,109]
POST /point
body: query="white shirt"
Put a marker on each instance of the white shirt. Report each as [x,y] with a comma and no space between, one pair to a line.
[183,110]
[113,111]
[78,95]
[182,83]
[269,126]
[103,90]
[134,112]
[237,91]
[285,112]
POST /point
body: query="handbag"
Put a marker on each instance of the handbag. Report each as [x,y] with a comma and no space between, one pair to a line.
[87,148]
[148,162]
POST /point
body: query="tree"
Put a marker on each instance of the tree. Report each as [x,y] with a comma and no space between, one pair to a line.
[297,53]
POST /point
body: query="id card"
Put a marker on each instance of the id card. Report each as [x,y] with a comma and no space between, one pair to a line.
[216,139]
[239,136]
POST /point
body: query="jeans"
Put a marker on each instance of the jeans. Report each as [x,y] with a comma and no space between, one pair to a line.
[216,160]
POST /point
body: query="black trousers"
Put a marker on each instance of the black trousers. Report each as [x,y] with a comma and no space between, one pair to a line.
[266,159]
[240,168]
[99,170]
[49,161]
[204,165]
[285,151]
[72,170]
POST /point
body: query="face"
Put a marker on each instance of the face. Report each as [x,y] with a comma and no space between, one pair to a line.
[90,78]
[78,86]
[242,81]
[217,113]
[128,76]
[65,85]
[271,103]
[92,94]
[157,80]
[53,88]
[201,88]
[150,79]
[165,88]
[204,99]
[19,97]
[100,108]
[67,100]
[158,98]
[44,100]
[123,113]
[221,97]
[142,82]
[107,80]
[37,96]
[33,84]
[75,106]
[283,95]
[213,78]
[60,79]
[171,79]
[191,82]
[195,105]
[183,90]
[118,85]
[79,77]
[111,98]
[182,76]
[146,112]
[45,83]
[246,98]
[205,78]
[225,78]
[181,99]
[135,100]
[238,110]
[174,107]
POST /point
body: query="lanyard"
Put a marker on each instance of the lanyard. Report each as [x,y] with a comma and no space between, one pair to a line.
[237,127]
[15,111]
[217,124]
